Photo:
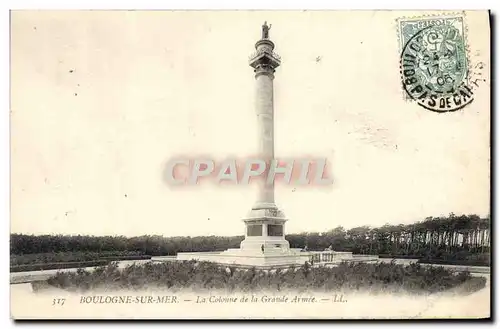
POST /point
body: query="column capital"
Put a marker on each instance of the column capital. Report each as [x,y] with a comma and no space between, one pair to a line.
[264,60]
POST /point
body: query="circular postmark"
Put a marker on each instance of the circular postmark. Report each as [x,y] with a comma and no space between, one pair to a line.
[434,69]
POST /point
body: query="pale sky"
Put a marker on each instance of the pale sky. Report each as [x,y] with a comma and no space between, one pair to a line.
[101,100]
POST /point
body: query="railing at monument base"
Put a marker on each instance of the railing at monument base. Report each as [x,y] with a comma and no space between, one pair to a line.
[321,256]
[335,257]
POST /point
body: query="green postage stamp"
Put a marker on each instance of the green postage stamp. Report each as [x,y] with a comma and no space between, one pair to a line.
[434,62]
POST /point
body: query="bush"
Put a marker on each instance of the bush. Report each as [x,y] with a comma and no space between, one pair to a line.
[392,277]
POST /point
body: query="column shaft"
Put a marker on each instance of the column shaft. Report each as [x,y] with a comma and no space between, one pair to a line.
[265,123]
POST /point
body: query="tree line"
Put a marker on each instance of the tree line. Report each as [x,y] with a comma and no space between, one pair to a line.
[448,237]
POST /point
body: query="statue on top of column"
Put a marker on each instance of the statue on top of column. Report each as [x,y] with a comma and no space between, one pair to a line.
[265,30]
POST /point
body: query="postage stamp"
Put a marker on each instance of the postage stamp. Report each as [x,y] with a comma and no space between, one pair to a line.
[434,64]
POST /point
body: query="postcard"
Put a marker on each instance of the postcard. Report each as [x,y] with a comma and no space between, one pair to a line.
[250,164]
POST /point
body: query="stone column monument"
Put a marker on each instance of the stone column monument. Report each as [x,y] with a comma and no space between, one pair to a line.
[264,244]
[264,226]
